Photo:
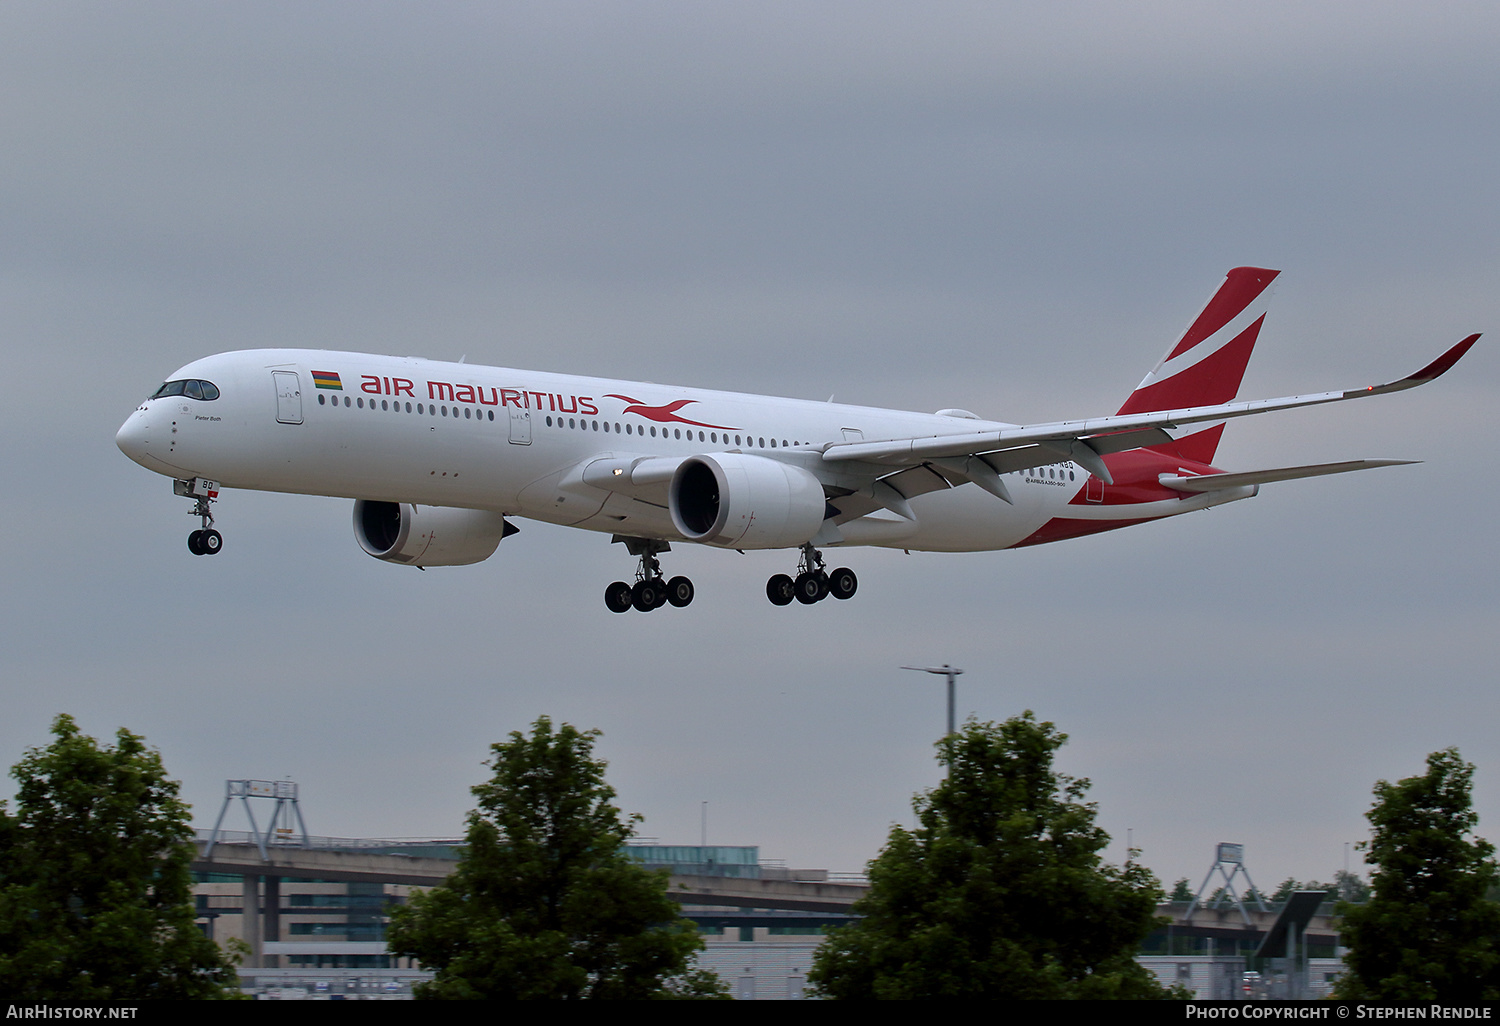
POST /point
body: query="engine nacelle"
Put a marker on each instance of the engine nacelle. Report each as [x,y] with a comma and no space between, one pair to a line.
[427,535]
[738,501]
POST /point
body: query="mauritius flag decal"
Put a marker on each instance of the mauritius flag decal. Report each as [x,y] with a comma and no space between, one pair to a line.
[327,379]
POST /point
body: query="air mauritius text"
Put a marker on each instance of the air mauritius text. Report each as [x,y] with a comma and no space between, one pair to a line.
[447,391]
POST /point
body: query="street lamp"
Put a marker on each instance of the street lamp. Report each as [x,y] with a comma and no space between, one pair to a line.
[950,672]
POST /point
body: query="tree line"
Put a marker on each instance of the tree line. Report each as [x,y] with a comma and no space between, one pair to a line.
[999,891]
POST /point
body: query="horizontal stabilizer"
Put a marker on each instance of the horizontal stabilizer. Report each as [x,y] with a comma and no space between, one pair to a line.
[1215,482]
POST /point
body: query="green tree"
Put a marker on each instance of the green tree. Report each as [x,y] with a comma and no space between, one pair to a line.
[1349,887]
[1428,933]
[1181,890]
[95,891]
[1284,891]
[1000,892]
[546,903]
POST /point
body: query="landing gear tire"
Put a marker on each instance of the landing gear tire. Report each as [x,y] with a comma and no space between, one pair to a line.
[618,597]
[679,591]
[811,587]
[647,594]
[842,584]
[780,590]
[205,541]
[650,590]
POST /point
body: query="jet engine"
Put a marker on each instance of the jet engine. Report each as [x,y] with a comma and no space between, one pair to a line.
[739,501]
[427,535]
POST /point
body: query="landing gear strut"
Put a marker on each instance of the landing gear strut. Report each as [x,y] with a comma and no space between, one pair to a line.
[649,591]
[205,541]
[813,583]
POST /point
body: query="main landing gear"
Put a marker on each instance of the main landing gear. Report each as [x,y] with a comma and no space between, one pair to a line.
[813,582]
[649,591]
[206,541]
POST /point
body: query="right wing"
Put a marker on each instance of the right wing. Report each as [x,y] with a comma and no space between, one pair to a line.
[1085,441]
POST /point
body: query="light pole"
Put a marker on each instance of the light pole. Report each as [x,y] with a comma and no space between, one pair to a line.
[951,672]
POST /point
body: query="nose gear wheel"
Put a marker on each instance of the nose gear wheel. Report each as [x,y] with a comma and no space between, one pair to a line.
[205,541]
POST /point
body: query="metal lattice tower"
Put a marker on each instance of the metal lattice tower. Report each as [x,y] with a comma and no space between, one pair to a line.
[279,830]
[1232,855]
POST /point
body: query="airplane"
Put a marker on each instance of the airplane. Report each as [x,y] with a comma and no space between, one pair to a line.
[438,457]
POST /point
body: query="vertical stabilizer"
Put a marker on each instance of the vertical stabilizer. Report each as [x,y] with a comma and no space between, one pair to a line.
[1205,366]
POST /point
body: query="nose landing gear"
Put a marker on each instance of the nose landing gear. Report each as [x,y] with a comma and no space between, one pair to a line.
[649,591]
[205,541]
[813,583]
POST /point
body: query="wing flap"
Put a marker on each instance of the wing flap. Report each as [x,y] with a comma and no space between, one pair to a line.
[918,480]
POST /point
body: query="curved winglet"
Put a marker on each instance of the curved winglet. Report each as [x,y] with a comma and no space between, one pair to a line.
[1436,369]
[1440,366]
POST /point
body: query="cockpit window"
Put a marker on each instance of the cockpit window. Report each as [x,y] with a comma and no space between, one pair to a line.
[190,387]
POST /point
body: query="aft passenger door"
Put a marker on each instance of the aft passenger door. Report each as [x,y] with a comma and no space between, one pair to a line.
[288,397]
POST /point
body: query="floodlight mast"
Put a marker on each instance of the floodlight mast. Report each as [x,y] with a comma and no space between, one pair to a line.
[950,672]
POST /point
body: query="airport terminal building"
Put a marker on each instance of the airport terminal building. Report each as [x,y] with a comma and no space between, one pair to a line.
[314,912]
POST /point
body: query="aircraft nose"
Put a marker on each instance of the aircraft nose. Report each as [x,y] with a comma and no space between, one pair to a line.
[134,436]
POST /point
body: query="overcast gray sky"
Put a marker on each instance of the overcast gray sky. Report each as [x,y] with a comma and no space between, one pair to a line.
[1012,208]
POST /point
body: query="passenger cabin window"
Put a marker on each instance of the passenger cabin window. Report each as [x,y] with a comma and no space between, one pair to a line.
[190,387]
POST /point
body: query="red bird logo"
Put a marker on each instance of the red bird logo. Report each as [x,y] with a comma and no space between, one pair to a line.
[665,414]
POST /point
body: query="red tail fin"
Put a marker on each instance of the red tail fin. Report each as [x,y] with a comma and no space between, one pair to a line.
[1208,362]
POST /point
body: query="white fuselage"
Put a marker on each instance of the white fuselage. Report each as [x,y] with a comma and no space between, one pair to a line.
[437,456]
[516,442]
